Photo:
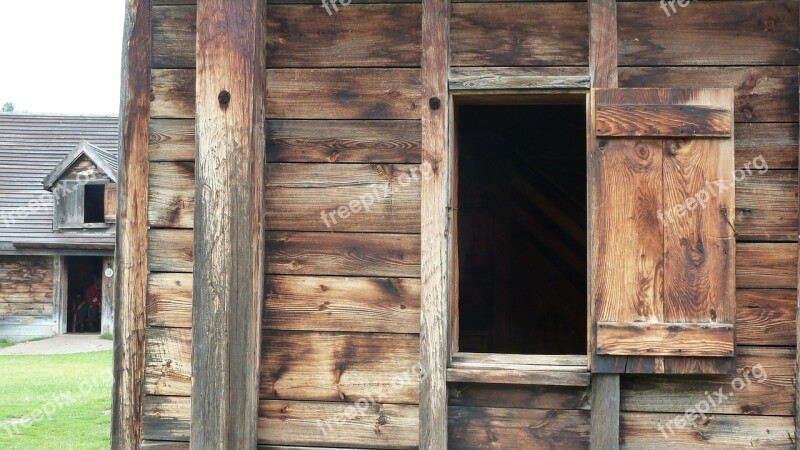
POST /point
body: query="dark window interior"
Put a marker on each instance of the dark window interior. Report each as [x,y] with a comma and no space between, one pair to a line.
[82,272]
[94,204]
[522,228]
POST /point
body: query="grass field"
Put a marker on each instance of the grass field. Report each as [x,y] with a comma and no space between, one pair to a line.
[58,402]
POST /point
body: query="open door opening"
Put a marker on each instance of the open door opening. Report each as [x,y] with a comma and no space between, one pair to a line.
[84,294]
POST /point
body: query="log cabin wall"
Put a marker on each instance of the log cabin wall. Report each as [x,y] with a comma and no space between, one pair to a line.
[750,46]
[341,316]
[27,297]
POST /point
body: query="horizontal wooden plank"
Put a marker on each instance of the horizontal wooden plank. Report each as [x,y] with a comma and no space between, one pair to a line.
[776,142]
[353,254]
[766,316]
[171,195]
[663,120]
[344,141]
[355,197]
[343,94]
[168,361]
[665,339]
[643,431]
[169,300]
[171,140]
[174,34]
[708,34]
[507,358]
[478,78]
[523,429]
[761,94]
[766,266]
[515,374]
[524,397]
[373,425]
[172,93]
[166,418]
[343,367]
[522,34]
[767,390]
[383,305]
[360,36]
[170,250]
[766,203]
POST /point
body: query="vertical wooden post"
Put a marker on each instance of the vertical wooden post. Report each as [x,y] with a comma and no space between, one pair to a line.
[131,257]
[436,223]
[604,434]
[229,223]
[107,313]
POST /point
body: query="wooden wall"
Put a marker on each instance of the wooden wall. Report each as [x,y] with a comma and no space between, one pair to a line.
[27,286]
[341,316]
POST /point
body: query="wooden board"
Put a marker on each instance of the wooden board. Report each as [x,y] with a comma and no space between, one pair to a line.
[766,204]
[665,339]
[523,34]
[709,34]
[170,250]
[776,142]
[354,254]
[479,78]
[171,140]
[174,36]
[766,316]
[523,397]
[766,266]
[381,305]
[344,141]
[343,94]
[663,121]
[340,366]
[761,94]
[168,362]
[641,431]
[769,391]
[523,429]
[169,300]
[172,93]
[172,195]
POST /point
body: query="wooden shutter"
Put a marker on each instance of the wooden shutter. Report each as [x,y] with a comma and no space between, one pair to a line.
[662,236]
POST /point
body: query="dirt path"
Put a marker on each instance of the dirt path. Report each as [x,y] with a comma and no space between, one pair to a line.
[60,345]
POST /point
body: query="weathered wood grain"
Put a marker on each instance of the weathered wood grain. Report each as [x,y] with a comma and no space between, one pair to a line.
[340,366]
[355,197]
[172,93]
[766,203]
[761,94]
[169,300]
[375,425]
[347,254]
[776,142]
[766,316]
[523,34]
[523,397]
[508,428]
[171,203]
[168,362]
[709,34]
[603,43]
[172,140]
[641,431]
[344,141]
[170,250]
[665,339]
[127,412]
[174,36]
[515,374]
[766,266]
[228,284]
[166,418]
[343,94]
[380,305]
[436,259]
[478,78]
[663,121]
[605,411]
[768,392]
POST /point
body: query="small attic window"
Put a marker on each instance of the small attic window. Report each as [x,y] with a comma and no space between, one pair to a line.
[93,203]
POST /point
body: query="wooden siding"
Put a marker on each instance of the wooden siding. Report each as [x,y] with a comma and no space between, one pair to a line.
[26,297]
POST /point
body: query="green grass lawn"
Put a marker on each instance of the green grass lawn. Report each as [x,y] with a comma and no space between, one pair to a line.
[4,343]
[55,401]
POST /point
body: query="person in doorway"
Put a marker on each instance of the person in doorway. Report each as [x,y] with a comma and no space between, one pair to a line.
[89,309]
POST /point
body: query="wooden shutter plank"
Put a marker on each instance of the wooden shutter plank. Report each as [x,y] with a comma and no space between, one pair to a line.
[665,339]
[663,120]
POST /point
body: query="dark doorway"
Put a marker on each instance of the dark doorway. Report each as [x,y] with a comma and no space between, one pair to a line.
[94,203]
[84,293]
[521,222]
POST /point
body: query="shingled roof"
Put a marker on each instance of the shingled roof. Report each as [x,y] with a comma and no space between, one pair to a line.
[31,146]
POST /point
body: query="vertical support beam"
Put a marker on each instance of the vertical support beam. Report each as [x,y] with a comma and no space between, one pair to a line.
[107,313]
[797,344]
[131,257]
[436,225]
[604,434]
[229,223]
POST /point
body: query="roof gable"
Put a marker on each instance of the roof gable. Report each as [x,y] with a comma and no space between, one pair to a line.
[105,162]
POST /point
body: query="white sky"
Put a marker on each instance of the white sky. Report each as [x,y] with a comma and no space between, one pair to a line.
[61,56]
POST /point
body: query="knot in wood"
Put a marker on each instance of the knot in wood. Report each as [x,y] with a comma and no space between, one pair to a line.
[224,98]
[435,103]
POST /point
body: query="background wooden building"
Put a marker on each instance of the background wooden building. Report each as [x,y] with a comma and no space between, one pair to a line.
[51,246]
[318,202]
